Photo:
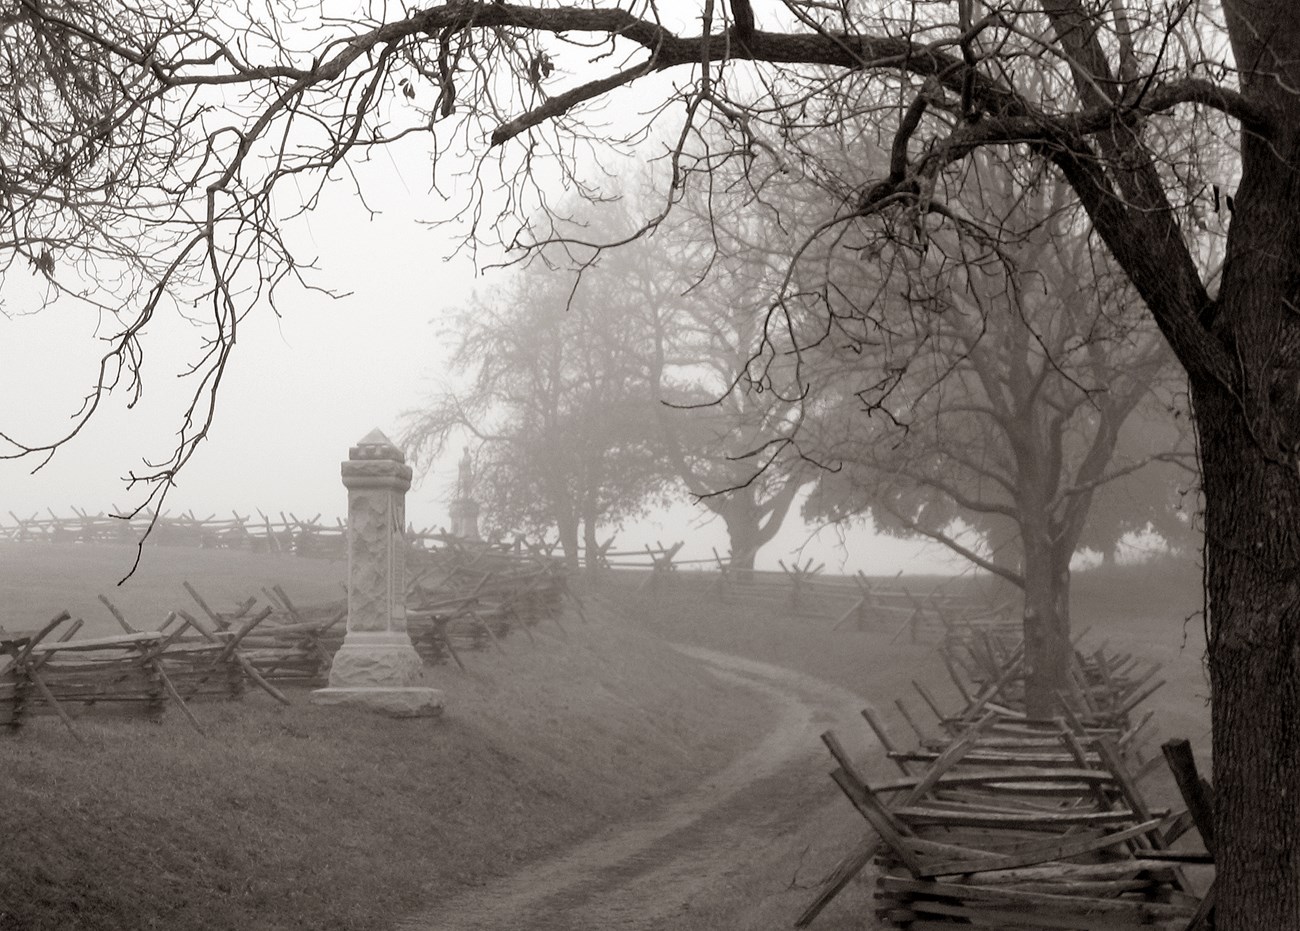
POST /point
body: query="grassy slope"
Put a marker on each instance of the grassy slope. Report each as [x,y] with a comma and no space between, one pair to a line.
[311,818]
[1147,610]
[298,818]
[1154,611]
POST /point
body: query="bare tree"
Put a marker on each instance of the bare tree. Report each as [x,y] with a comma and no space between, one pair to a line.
[557,403]
[88,160]
[703,303]
[1008,377]
[1119,100]
[717,441]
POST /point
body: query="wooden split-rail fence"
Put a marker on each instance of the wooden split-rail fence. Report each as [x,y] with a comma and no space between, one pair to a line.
[50,669]
[803,590]
[853,602]
[469,595]
[284,532]
[1001,820]
[461,597]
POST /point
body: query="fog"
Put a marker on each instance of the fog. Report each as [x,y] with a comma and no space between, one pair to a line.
[303,386]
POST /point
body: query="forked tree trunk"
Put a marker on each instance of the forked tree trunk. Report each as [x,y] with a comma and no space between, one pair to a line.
[750,524]
[1252,551]
[568,530]
[1046,627]
[591,546]
[744,547]
[1249,433]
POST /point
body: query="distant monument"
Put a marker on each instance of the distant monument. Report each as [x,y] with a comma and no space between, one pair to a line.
[464,509]
[377,667]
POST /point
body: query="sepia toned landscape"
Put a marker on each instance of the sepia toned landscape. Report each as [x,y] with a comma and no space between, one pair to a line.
[648,758]
[539,464]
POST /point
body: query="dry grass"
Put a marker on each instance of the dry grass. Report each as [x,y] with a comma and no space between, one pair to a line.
[327,819]
[305,817]
[37,581]
[1147,610]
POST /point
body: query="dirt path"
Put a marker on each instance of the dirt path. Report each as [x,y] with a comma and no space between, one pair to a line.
[637,875]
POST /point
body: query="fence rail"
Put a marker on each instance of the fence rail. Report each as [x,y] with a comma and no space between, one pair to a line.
[802,590]
[284,532]
[461,596]
[1004,820]
[848,602]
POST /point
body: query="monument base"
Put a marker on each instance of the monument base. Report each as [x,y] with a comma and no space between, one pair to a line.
[464,518]
[408,702]
[375,659]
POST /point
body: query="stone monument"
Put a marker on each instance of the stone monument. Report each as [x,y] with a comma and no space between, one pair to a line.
[464,509]
[377,667]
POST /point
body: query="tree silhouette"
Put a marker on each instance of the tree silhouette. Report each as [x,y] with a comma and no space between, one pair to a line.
[1008,379]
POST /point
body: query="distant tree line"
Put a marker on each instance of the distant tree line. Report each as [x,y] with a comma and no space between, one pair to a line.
[600,385]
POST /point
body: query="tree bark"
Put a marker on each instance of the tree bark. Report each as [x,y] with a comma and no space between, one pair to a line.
[1046,625]
[568,530]
[1253,606]
[591,545]
[742,535]
[1249,433]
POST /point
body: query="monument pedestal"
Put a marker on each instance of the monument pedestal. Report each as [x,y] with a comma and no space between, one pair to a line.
[375,658]
[377,667]
[464,519]
[409,702]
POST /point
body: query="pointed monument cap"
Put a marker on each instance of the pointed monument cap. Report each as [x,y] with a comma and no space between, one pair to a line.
[375,445]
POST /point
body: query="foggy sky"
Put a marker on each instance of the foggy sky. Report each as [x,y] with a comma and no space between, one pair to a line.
[302,388]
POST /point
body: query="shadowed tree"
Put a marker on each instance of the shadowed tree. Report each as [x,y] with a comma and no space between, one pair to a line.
[1009,376]
[1121,101]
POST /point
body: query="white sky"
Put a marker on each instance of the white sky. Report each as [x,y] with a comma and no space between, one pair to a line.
[302,388]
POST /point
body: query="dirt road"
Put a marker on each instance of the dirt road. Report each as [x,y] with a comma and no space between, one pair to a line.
[659,871]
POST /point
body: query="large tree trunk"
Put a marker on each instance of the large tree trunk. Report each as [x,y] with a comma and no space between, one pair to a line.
[751,524]
[1252,552]
[591,545]
[743,537]
[744,522]
[1046,626]
[1249,436]
[568,530]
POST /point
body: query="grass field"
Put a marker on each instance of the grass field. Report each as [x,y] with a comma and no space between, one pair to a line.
[37,581]
[1150,610]
[304,817]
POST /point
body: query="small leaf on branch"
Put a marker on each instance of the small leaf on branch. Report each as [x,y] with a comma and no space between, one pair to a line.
[539,68]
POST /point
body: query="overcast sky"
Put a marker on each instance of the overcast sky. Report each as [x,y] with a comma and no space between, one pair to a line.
[302,388]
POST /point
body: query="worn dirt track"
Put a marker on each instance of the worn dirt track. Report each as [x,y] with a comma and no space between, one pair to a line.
[645,873]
